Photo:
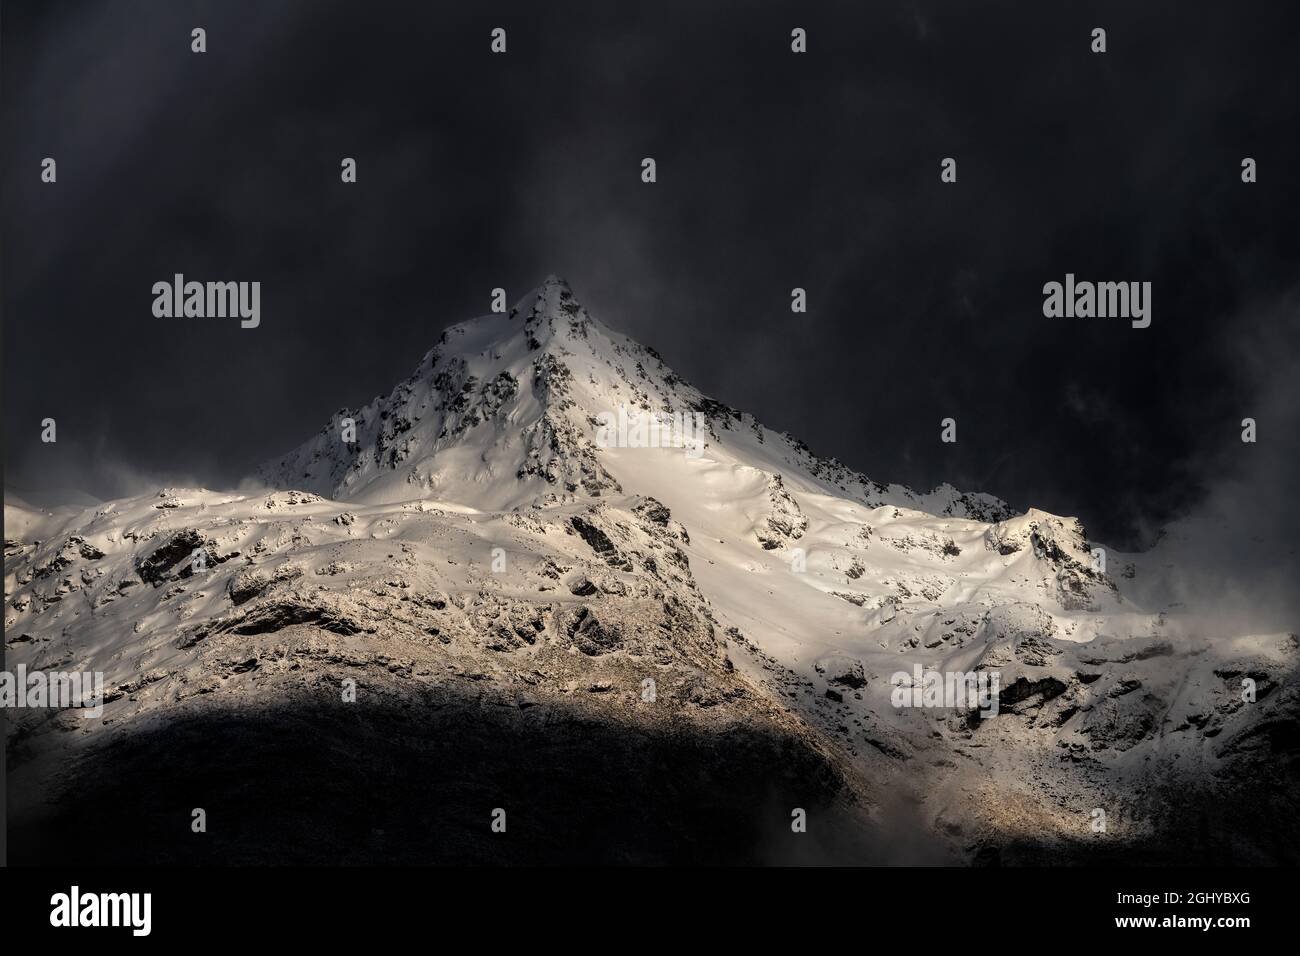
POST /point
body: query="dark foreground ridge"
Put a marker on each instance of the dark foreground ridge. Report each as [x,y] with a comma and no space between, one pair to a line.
[417,782]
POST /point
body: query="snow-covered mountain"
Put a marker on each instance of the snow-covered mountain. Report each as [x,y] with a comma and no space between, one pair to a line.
[545,528]
[504,411]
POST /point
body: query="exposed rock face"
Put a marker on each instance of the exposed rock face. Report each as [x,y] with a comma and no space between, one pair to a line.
[160,563]
[474,604]
[247,585]
[784,522]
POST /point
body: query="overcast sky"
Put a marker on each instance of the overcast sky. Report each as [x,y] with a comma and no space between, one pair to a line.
[775,170]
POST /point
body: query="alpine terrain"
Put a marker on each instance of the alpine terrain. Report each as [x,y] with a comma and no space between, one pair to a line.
[546,602]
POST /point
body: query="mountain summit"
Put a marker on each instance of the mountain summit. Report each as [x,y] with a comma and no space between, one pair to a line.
[506,411]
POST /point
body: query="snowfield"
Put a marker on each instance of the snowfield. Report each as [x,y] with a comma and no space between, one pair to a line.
[476,536]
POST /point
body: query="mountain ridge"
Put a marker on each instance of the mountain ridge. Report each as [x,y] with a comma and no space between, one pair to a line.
[482,564]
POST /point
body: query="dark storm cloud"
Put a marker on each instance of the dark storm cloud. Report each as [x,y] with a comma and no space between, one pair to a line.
[775,171]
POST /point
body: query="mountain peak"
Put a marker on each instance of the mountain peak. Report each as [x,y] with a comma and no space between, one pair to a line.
[553,290]
[550,306]
[502,415]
